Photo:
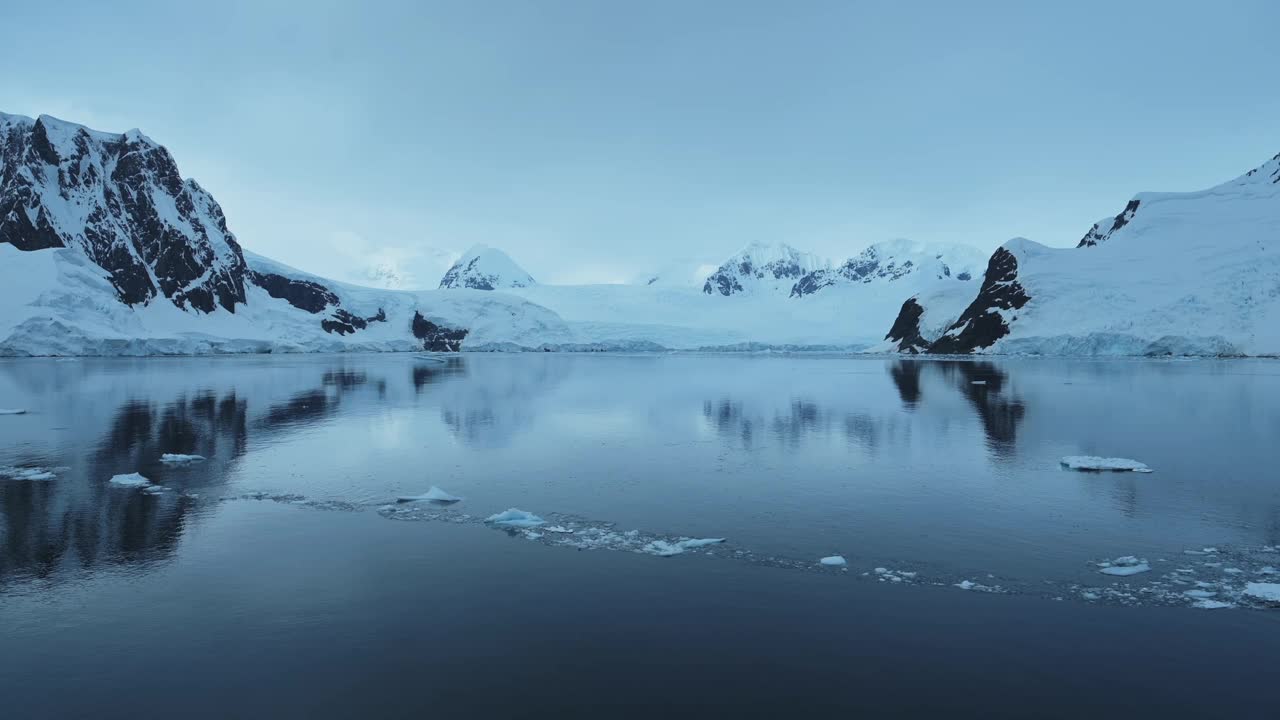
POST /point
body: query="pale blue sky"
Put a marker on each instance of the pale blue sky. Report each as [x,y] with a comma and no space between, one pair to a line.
[595,139]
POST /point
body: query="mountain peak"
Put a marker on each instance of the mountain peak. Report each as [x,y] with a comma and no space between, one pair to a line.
[486,268]
[762,267]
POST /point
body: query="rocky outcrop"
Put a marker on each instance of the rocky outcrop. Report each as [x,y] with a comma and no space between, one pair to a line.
[905,334]
[344,323]
[983,322]
[1104,229]
[437,338]
[303,294]
[120,200]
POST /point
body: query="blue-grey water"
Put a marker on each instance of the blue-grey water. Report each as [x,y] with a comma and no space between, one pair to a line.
[279,577]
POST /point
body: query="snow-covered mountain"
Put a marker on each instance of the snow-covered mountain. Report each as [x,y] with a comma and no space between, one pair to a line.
[1193,273]
[762,268]
[106,249]
[485,268]
[119,200]
[895,261]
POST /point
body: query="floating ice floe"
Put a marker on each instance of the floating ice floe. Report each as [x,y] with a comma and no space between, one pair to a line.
[559,529]
[131,481]
[1211,604]
[435,495]
[977,587]
[1199,594]
[1093,463]
[13,411]
[887,575]
[834,561]
[31,473]
[180,459]
[662,548]
[515,518]
[1265,593]
[1124,566]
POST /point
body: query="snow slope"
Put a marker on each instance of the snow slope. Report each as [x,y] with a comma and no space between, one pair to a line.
[762,306]
[485,268]
[57,302]
[1173,274]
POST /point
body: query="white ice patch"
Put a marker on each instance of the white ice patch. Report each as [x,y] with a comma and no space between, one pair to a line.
[435,495]
[515,518]
[834,561]
[1265,593]
[32,473]
[663,548]
[1093,463]
[1211,604]
[897,576]
[1124,566]
[560,529]
[977,587]
[132,480]
[180,459]
[12,411]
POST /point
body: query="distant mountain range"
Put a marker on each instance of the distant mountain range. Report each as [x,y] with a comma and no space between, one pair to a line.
[106,249]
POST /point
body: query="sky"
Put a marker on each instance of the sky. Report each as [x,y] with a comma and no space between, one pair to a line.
[597,140]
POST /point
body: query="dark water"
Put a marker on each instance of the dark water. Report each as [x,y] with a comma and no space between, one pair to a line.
[279,578]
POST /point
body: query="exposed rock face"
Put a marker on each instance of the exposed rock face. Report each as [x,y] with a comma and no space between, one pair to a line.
[1104,229]
[344,323]
[905,332]
[120,200]
[437,338]
[302,294]
[982,323]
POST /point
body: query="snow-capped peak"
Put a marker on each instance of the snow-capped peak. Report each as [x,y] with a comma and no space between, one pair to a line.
[486,268]
[894,260]
[762,267]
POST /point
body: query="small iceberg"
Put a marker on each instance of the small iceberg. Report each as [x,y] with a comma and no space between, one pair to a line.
[132,480]
[833,561]
[560,529]
[1093,463]
[515,518]
[435,495]
[13,411]
[1265,593]
[21,473]
[662,548]
[1211,604]
[1124,566]
[180,459]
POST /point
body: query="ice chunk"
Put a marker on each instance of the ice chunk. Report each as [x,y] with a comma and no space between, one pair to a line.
[515,518]
[21,473]
[560,529]
[1199,594]
[180,459]
[13,411]
[1093,463]
[132,480]
[1124,566]
[1211,604]
[835,561]
[691,543]
[1266,593]
[662,548]
[435,495]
